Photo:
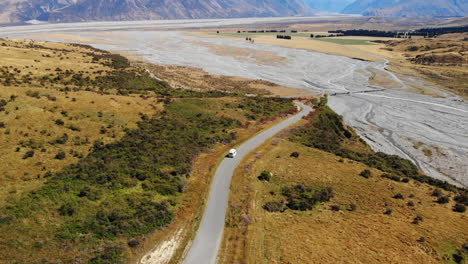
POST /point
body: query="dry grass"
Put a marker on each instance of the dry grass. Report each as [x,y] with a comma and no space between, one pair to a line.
[197,79]
[30,121]
[365,235]
[192,202]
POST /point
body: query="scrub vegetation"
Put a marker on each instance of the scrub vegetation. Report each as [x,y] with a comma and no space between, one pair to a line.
[355,200]
[101,188]
[327,131]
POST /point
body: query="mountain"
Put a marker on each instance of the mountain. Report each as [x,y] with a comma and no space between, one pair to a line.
[335,6]
[409,8]
[116,10]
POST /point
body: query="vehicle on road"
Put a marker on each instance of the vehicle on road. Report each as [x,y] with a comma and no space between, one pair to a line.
[232,153]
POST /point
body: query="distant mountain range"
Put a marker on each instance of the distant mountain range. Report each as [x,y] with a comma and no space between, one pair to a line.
[13,11]
[409,8]
[335,6]
[116,10]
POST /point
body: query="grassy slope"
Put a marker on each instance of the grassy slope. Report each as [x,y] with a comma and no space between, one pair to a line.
[89,210]
[31,111]
[322,235]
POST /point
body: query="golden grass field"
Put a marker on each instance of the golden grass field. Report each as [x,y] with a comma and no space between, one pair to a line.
[30,121]
[32,109]
[366,235]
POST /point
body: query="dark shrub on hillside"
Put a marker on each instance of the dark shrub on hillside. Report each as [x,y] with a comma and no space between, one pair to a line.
[59,122]
[295,154]
[265,176]
[60,156]
[275,206]
[335,208]
[457,257]
[437,193]
[89,193]
[391,177]
[443,200]
[398,196]
[462,198]
[460,208]
[133,243]
[366,174]
[352,207]
[28,154]
[140,216]
[67,209]
[110,255]
[417,219]
[388,211]
[405,180]
[410,203]
[304,198]
[2,124]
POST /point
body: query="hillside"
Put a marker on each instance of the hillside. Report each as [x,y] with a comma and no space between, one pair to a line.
[97,155]
[118,10]
[411,8]
[328,5]
[301,198]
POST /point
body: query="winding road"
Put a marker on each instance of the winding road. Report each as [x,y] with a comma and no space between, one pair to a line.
[204,248]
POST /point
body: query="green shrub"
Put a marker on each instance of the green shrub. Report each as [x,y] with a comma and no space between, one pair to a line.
[437,193]
[67,209]
[59,122]
[304,198]
[295,154]
[443,200]
[460,208]
[265,176]
[391,177]
[110,255]
[462,198]
[366,174]
[60,156]
[28,154]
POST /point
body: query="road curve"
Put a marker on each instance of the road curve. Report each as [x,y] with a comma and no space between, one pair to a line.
[204,249]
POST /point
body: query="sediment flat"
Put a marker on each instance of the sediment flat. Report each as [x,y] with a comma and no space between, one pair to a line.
[431,131]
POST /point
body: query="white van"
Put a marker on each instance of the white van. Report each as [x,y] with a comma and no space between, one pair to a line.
[232,153]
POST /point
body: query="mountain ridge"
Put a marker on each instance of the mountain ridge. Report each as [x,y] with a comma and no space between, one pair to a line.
[123,10]
[409,8]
